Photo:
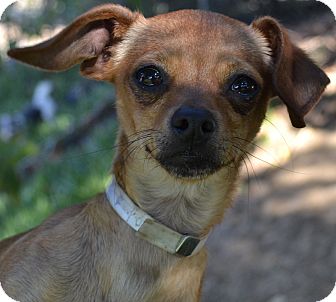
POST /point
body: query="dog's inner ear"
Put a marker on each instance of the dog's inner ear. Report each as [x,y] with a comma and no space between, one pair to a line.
[86,41]
[296,79]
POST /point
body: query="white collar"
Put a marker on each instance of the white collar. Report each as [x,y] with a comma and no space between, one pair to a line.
[146,227]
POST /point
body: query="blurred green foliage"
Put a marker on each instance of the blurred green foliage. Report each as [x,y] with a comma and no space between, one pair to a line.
[77,175]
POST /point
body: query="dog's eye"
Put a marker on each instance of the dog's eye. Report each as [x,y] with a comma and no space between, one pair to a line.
[149,76]
[245,87]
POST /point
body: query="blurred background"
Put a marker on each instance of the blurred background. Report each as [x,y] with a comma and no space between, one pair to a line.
[278,241]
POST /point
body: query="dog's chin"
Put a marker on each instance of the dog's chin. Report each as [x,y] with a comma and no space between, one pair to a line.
[191,167]
[188,165]
[189,170]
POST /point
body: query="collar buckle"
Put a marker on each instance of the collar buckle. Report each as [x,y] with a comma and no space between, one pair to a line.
[189,246]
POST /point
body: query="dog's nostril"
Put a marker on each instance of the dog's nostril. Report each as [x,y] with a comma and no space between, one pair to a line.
[208,126]
[181,124]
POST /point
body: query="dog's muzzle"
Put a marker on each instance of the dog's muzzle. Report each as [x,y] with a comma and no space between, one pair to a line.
[190,149]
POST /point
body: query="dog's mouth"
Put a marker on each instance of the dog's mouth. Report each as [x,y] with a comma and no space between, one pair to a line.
[188,164]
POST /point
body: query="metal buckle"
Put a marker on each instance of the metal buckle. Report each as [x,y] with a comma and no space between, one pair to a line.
[187,246]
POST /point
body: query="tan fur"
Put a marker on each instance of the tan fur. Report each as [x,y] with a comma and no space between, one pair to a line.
[86,252]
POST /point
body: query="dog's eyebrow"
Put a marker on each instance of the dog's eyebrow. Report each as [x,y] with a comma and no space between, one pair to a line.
[159,56]
[234,65]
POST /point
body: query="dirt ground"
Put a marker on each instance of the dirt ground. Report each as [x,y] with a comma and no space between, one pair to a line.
[278,242]
[280,245]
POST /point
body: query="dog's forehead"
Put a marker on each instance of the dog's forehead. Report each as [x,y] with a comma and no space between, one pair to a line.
[194,31]
[202,23]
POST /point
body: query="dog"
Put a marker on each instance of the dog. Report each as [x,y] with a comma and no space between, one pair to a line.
[192,91]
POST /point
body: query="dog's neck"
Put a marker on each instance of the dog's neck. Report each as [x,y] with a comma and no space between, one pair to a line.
[190,207]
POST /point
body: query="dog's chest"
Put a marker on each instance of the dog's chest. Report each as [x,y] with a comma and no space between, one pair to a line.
[174,283]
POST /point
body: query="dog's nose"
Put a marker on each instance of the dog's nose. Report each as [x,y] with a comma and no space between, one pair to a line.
[196,124]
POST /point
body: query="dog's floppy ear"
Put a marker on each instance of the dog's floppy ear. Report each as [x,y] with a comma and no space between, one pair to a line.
[87,40]
[296,79]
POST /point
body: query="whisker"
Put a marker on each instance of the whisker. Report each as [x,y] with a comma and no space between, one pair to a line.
[144,139]
[265,161]
[132,150]
[290,159]
[254,172]
[248,187]
[257,146]
[106,149]
[72,157]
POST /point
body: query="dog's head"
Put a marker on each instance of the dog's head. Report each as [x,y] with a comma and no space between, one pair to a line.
[193,86]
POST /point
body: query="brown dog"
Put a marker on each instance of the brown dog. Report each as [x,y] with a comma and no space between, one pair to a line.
[193,89]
